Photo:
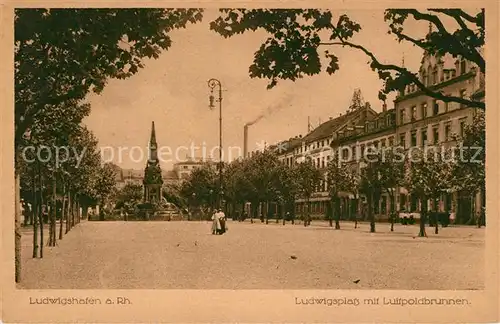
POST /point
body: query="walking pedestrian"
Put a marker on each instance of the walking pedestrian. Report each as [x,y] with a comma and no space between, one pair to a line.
[222,221]
[215,223]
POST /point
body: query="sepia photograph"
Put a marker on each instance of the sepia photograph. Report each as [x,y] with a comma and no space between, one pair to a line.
[250,149]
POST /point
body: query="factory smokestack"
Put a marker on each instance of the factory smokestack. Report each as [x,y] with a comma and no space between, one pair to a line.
[245,141]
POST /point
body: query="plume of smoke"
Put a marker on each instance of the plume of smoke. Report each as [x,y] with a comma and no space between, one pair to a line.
[272,109]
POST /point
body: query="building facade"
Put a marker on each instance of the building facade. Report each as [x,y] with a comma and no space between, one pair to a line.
[316,146]
[423,121]
[352,143]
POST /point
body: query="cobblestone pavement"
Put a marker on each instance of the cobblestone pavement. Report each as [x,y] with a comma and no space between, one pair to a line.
[183,255]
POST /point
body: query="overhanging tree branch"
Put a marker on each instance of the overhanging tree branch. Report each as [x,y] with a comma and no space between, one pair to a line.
[410,76]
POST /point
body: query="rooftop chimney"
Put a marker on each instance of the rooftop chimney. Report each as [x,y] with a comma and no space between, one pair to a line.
[384,107]
[245,141]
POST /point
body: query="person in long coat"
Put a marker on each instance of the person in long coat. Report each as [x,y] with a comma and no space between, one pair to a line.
[222,221]
[216,226]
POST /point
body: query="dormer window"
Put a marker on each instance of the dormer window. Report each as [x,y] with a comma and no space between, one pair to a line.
[435,75]
[463,66]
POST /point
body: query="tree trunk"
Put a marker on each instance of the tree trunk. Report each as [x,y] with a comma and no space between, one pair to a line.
[73,209]
[252,211]
[391,211]
[356,199]
[35,212]
[306,216]
[330,213]
[436,225]
[63,213]
[78,215]
[266,211]
[53,212]
[371,215]
[337,212]
[423,217]
[41,214]
[17,229]
[68,222]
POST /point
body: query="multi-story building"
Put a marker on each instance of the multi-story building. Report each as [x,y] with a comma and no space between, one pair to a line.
[316,147]
[185,168]
[128,176]
[424,121]
[286,150]
[352,142]
[415,120]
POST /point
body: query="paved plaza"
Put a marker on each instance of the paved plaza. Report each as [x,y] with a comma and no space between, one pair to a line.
[183,255]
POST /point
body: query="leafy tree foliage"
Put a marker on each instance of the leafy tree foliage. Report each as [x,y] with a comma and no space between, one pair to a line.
[202,182]
[308,179]
[391,170]
[105,184]
[129,196]
[298,36]
[340,179]
[429,173]
[63,54]
[469,170]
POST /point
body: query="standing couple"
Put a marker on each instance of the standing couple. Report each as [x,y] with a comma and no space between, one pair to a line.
[218,222]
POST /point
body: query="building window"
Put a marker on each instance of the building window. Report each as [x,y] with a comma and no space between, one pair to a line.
[185,167]
[414,203]
[353,149]
[447,131]
[413,138]
[435,76]
[382,142]
[362,153]
[402,140]
[424,78]
[413,113]
[424,136]
[423,108]
[402,116]
[323,162]
[462,66]
[463,123]
[391,141]
[435,108]
[435,135]
[402,201]
[383,207]
[462,95]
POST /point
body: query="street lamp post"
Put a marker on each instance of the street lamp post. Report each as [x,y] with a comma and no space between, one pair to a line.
[193,203]
[212,83]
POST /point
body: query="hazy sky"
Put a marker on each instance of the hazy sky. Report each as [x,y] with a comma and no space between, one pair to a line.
[173,91]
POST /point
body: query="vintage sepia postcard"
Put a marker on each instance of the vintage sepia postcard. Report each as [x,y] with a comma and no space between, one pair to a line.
[249,162]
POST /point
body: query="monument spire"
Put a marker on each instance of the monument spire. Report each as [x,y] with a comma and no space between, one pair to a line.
[152,173]
[153,156]
[153,134]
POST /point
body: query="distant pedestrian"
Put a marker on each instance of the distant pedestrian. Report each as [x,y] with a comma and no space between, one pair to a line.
[452,218]
[222,221]
[216,226]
